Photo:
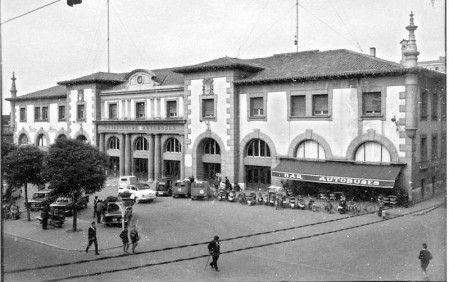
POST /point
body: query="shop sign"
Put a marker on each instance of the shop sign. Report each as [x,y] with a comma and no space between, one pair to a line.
[138,128]
[335,179]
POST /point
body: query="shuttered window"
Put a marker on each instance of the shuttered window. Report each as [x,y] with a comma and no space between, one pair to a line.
[256,107]
[372,103]
[424,102]
[208,108]
[298,106]
[320,105]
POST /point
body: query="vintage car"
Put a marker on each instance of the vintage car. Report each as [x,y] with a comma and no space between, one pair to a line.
[139,192]
[127,180]
[200,190]
[163,187]
[65,204]
[115,212]
[182,188]
[40,198]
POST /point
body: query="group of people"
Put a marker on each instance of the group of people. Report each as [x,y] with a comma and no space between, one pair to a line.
[12,211]
[99,209]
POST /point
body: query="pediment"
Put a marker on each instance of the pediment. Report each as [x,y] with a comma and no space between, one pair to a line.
[141,79]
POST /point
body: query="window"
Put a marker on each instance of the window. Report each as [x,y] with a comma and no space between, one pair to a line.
[434,106]
[140,110]
[172,110]
[434,146]
[23,114]
[424,103]
[114,143]
[310,149]
[211,147]
[256,107]
[298,106]
[173,146]
[320,105]
[82,139]
[37,113]
[372,103]
[112,111]
[61,112]
[80,112]
[423,148]
[141,144]
[44,113]
[258,148]
[208,108]
[80,95]
[23,139]
[372,152]
[40,141]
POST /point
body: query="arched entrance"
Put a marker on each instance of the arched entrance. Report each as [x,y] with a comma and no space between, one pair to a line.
[209,159]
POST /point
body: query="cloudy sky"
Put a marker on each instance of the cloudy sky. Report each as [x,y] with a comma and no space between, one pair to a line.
[59,42]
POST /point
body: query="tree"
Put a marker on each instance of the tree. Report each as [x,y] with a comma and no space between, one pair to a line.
[73,167]
[23,166]
[7,148]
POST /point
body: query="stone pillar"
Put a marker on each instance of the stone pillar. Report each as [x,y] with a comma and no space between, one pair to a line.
[182,172]
[101,146]
[122,154]
[150,157]
[157,156]
[128,156]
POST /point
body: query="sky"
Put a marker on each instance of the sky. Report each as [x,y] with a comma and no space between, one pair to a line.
[59,42]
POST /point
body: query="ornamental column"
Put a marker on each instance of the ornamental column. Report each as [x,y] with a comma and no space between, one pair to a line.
[128,156]
[122,155]
[101,145]
[182,173]
[150,157]
[157,156]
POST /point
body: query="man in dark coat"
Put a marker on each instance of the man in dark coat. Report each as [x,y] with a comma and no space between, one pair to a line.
[92,237]
[425,256]
[95,206]
[45,215]
[214,251]
[100,210]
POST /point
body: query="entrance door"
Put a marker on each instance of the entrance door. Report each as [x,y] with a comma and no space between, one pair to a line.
[172,169]
[141,168]
[210,171]
[114,166]
[257,177]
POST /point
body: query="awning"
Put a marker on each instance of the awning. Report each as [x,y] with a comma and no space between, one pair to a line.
[380,176]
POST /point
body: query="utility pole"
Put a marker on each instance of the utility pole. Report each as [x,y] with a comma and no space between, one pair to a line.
[297,19]
[109,70]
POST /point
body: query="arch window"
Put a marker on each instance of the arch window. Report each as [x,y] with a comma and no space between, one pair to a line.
[372,152]
[310,149]
[41,141]
[141,144]
[23,139]
[114,143]
[82,138]
[211,147]
[173,146]
[62,137]
[258,148]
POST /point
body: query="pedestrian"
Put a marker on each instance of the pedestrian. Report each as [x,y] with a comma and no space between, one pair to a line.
[44,215]
[100,210]
[425,256]
[214,251]
[92,237]
[125,240]
[15,212]
[134,238]
[227,183]
[192,179]
[95,206]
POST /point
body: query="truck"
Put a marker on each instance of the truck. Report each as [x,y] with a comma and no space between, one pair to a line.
[65,204]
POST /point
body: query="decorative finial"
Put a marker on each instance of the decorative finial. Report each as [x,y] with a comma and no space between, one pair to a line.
[13,86]
[13,76]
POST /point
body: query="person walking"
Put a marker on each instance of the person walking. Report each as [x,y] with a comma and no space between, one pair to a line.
[92,237]
[125,240]
[100,210]
[227,183]
[45,215]
[134,235]
[214,251]
[95,206]
[425,256]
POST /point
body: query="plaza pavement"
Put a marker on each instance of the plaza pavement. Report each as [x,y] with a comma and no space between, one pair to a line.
[108,237]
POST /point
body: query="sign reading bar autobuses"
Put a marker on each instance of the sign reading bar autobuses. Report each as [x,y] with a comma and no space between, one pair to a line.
[335,179]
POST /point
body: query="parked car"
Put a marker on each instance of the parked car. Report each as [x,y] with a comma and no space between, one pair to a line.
[200,190]
[127,180]
[163,187]
[40,198]
[182,188]
[65,204]
[115,212]
[139,192]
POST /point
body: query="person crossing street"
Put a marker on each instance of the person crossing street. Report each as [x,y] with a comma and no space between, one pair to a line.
[214,251]
[92,237]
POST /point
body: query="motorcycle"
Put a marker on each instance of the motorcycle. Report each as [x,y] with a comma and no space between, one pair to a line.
[231,196]
[242,199]
[260,199]
[284,201]
[342,207]
[293,203]
[311,205]
[251,199]
[271,199]
[222,195]
[301,203]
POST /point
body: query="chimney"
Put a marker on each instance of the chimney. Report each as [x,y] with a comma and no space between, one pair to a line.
[372,51]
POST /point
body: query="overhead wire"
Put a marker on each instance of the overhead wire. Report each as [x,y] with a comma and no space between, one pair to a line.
[34,10]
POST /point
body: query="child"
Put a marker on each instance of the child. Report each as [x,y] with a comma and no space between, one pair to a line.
[125,240]
[134,238]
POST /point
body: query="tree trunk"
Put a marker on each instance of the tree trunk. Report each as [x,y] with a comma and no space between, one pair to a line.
[26,202]
[75,210]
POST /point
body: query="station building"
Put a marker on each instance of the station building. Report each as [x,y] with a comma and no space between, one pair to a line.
[334,120]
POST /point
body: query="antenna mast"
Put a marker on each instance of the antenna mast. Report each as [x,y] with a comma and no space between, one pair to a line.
[109,70]
[297,19]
